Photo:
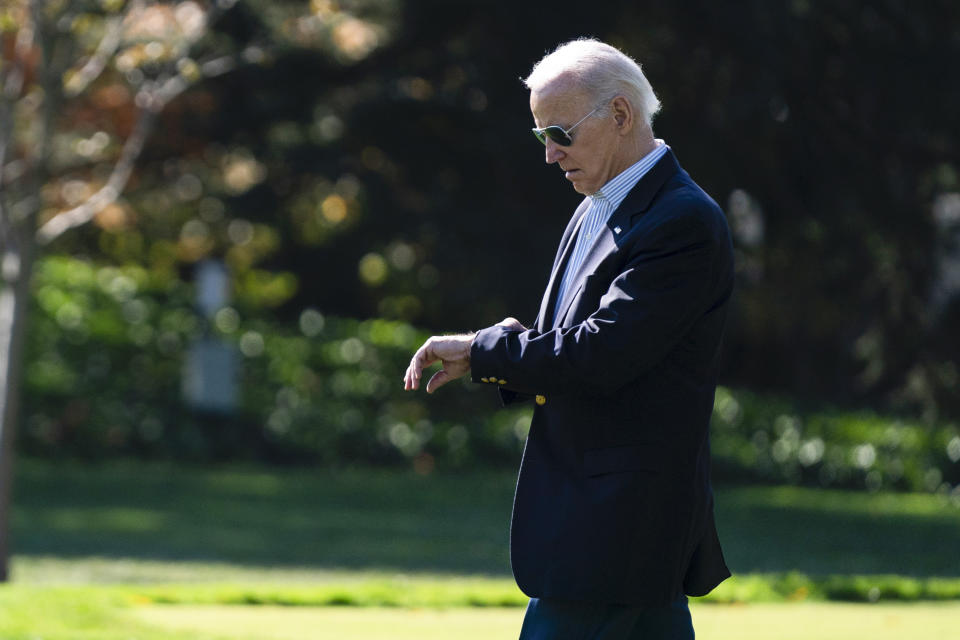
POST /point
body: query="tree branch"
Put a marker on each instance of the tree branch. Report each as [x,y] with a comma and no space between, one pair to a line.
[97,62]
[151,102]
[109,193]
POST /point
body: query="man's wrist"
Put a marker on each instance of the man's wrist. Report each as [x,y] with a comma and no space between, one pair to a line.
[469,344]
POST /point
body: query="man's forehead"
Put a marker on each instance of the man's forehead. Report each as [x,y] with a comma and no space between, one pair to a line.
[559,98]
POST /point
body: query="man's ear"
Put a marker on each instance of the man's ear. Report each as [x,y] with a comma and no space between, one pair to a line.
[622,114]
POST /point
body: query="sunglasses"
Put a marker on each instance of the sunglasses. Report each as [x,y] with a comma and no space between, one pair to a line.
[558,134]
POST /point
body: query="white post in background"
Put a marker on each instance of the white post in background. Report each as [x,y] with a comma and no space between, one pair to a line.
[210,372]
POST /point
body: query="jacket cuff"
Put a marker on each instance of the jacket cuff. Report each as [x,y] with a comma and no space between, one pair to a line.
[483,363]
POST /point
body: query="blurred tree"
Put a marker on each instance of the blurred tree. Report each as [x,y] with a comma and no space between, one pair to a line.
[81,85]
[381,165]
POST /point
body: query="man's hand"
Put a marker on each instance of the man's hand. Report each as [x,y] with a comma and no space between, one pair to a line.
[511,323]
[453,352]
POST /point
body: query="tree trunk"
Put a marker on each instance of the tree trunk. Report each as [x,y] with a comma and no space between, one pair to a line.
[16,267]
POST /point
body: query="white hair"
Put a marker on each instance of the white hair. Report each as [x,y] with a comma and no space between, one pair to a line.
[604,72]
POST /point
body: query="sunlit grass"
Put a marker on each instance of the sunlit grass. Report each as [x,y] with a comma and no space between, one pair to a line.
[122,613]
[193,583]
[283,623]
[105,613]
[33,613]
[823,621]
[826,621]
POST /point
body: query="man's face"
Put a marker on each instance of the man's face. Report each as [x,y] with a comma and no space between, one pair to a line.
[591,161]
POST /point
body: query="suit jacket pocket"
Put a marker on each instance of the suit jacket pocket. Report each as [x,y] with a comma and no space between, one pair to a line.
[636,457]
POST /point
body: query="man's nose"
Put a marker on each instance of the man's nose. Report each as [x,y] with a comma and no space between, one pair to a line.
[554,152]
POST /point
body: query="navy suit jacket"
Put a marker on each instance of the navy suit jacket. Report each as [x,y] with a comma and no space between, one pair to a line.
[613,501]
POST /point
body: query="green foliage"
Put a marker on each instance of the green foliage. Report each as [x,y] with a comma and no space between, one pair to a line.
[107,347]
[106,355]
[102,360]
[768,438]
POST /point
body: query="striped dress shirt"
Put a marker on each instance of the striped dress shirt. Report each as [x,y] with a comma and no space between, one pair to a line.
[602,205]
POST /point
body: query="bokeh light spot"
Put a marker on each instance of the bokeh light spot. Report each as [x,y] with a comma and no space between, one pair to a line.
[864,455]
[373,269]
[227,320]
[953,449]
[352,350]
[334,209]
[402,256]
[311,322]
[251,344]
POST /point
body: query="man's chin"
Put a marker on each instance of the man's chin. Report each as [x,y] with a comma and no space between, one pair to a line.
[580,188]
[576,184]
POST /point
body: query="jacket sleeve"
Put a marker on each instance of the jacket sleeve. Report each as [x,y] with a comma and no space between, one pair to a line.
[671,277]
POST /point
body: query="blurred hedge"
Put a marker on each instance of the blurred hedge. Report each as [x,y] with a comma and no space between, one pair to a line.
[106,348]
[105,355]
[772,439]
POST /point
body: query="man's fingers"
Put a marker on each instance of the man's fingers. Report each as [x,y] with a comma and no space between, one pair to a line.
[409,380]
[414,372]
[439,379]
[411,375]
[452,351]
[422,359]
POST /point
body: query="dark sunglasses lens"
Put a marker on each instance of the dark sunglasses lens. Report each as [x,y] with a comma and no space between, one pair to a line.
[558,135]
[555,133]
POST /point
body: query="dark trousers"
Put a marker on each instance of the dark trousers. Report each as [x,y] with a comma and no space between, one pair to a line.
[564,620]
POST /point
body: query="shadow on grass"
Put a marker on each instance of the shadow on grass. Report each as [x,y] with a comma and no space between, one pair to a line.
[445,523]
[822,532]
[351,519]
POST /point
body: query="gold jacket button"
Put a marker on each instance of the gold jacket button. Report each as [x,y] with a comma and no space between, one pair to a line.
[541,400]
[501,381]
[484,380]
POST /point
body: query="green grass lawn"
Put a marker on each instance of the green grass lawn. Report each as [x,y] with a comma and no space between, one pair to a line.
[53,614]
[442,523]
[809,621]
[829,531]
[259,518]
[158,552]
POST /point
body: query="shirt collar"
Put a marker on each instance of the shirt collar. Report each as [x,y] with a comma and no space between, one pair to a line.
[614,191]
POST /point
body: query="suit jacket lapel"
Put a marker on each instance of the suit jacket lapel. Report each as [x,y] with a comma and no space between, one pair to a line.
[603,245]
[610,238]
[545,317]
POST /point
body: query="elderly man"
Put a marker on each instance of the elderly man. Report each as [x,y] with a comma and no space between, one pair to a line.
[613,515]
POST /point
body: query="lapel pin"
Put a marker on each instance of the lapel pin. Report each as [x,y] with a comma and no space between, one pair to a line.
[616,229]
